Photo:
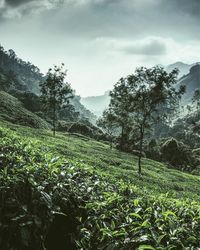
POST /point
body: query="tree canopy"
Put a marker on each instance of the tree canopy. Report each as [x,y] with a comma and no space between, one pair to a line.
[55,92]
[141,99]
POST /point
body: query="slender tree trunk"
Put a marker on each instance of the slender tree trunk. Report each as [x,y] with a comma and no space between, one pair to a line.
[140,150]
[111,142]
[122,138]
[54,121]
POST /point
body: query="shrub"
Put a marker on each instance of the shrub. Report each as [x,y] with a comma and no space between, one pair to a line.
[196,151]
[87,130]
[47,202]
[178,154]
[64,126]
[137,153]
[152,150]
[81,129]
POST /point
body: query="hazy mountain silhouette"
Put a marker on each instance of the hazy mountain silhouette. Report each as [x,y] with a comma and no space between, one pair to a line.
[97,104]
[191,81]
[183,68]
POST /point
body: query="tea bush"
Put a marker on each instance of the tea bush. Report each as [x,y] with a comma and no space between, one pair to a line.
[49,201]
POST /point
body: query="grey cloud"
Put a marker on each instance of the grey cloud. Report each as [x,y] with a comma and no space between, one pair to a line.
[67,33]
[149,48]
[186,6]
[17,2]
[115,18]
[133,18]
[10,9]
[190,7]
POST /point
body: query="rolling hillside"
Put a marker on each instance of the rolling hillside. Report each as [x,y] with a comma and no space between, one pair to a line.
[157,177]
[90,197]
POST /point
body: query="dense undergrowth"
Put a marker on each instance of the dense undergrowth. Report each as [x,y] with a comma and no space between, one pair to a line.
[11,109]
[53,199]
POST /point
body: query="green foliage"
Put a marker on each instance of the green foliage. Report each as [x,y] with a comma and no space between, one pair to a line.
[55,92]
[11,109]
[20,75]
[102,209]
[187,130]
[86,130]
[22,80]
[178,154]
[80,128]
[196,99]
[5,82]
[30,100]
[142,99]
[108,123]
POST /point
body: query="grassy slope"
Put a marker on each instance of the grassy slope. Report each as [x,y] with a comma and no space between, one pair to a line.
[97,193]
[11,109]
[156,178]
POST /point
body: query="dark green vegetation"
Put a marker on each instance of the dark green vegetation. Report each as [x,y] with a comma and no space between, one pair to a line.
[140,101]
[56,93]
[18,74]
[77,192]
[11,109]
[148,106]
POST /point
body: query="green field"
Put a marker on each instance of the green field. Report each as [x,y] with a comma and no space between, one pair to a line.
[100,190]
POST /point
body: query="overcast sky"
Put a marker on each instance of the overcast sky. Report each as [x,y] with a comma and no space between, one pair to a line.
[101,40]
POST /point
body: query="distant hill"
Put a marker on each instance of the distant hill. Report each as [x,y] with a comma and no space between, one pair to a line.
[97,104]
[83,110]
[191,81]
[12,110]
[183,68]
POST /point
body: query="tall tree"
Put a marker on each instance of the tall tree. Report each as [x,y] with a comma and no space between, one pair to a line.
[108,123]
[55,92]
[149,89]
[142,99]
[119,108]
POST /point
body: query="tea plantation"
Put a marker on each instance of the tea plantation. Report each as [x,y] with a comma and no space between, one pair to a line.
[72,192]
